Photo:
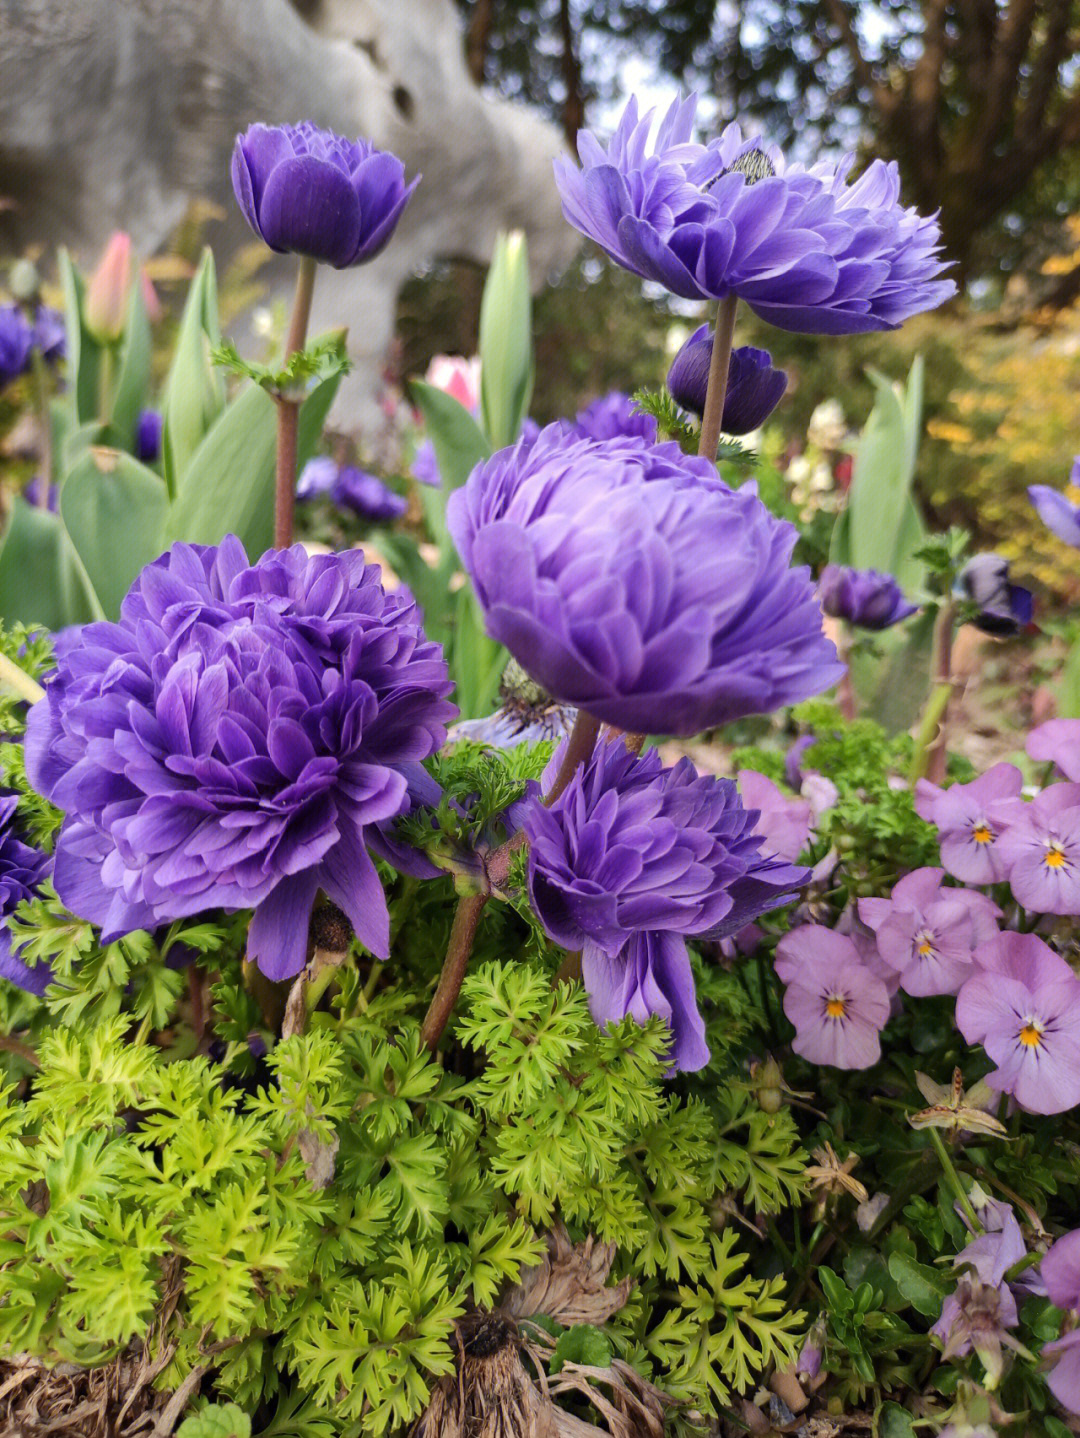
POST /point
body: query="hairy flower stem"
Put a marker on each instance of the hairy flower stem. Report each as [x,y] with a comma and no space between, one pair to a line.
[953,1178]
[579,748]
[458,951]
[929,754]
[288,411]
[18,679]
[716,392]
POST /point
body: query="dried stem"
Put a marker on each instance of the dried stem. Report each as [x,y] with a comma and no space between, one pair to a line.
[288,411]
[713,417]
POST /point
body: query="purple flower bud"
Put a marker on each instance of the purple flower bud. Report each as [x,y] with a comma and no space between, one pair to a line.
[793,770]
[754,388]
[863,597]
[148,429]
[50,334]
[16,341]
[1004,608]
[317,477]
[310,192]
[35,492]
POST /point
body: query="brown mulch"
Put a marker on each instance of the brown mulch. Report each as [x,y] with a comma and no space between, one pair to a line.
[116,1400]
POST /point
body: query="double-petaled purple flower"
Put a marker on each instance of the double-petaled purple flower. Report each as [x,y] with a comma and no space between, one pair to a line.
[1060,512]
[804,249]
[350,488]
[863,597]
[613,416]
[310,192]
[1060,1271]
[632,857]
[22,871]
[234,741]
[837,1004]
[16,343]
[929,933]
[969,823]
[754,388]
[1040,847]
[630,582]
[1023,1005]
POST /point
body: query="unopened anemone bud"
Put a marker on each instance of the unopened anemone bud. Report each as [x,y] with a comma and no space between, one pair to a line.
[107,292]
[1002,608]
[754,387]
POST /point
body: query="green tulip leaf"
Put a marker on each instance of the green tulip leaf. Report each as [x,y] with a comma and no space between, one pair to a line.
[42,580]
[114,510]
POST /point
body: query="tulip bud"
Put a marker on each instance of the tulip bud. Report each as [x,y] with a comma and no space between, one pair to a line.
[754,388]
[107,293]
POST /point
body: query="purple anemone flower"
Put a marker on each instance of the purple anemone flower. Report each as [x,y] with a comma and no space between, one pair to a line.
[16,342]
[1057,742]
[1060,512]
[367,496]
[1002,608]
[863,597]
[614,416]
[310,192]
[234,742]
[649,976]
[148,430]
[929,933]
[629,581]
[1023,1006]
[50,334]
[807,251]
[22,870]
[754,388]
[317,477]
[966,818]
[838,1006]
[1041,849]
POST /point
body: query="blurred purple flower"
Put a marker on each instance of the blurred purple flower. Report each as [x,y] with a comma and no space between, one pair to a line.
[310,192]
[863,597]
[785,824]
[793,770]
[33,491]
[1063,1380]
[1040,847]
[317,477]
[1057,742]
[1023,1006]
[754,388]
[234,742]
[22,870]
[837,1005]
[50,334]
[367,496]
[1060,1271]
[16,342]
[1004,608]
[148,430]
[1060,512]
[614,416]
[425,464]
[928,933]
[965,816]
[597,564]
[509,727]
[805,250]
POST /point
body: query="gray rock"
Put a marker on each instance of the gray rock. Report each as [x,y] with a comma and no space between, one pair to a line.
[117,113]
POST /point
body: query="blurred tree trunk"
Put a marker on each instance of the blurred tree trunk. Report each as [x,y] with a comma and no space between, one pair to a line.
[478,38]
[574,104]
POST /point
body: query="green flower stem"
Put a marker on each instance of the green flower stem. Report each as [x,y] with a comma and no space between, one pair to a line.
[18,679]
[458,952]
[949,1169]
[288,411]
[929,751]
[41,382]
[105,381]
[715,394]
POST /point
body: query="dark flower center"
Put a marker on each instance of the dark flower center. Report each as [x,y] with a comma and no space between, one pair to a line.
[755,165]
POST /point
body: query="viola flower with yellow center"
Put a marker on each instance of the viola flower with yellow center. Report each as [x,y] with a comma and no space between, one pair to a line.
[1057,742]
[838,1006]
[1060,511]
[928,933]
[966,819]
[1041,846]
[1023,1006]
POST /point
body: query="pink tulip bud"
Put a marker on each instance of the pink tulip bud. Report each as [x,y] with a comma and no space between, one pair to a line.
[107,293]
[459,377]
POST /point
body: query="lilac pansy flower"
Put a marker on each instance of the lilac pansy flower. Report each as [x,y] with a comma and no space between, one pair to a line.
[1023,1005]
[965,818]
[1041,849]
[784,823]
[928,932]
[1057,742]
[837,1005]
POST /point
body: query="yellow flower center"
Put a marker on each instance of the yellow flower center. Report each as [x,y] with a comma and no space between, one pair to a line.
[1055,857]
[1031,1034]
[926,947]
[1072,493]
[982,834]
[836,1007]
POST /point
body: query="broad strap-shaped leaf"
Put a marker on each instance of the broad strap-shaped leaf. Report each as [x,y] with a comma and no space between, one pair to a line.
[460,445]
[133,376]
[506,351]
[83,350]
[42,580]
[194,390]
[114,510]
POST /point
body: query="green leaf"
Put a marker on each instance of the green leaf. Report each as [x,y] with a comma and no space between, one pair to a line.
[460,445]
[507,369]
[219,1420]
[923,1287]
[894,1422]
[134,372]
[42,580]
[476,662]
[83,351]
[581,1344]
[228,486]
[114,510]
[1069,694]
[194,391]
